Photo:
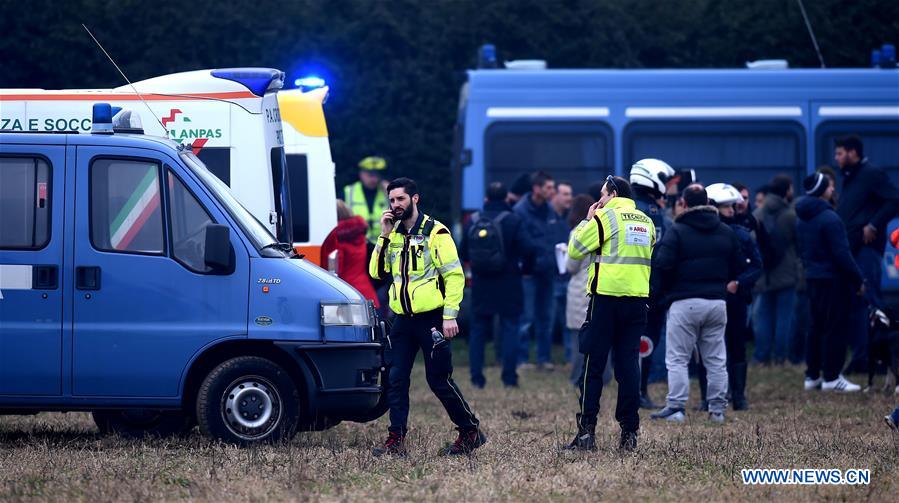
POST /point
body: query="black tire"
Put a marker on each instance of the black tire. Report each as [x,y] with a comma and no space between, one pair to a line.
[248,400]
[139,423]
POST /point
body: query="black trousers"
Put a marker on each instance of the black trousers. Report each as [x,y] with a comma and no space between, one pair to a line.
[826,349]
[612,323]
[734,343]
[409,334]
[655,318]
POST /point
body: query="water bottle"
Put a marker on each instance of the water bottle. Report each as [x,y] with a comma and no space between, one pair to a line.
[437,336]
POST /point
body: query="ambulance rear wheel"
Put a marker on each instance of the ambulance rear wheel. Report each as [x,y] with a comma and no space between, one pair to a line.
[248,400]
[138,423]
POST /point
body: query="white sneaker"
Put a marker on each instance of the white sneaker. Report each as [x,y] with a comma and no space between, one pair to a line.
[840,385]
[813,384]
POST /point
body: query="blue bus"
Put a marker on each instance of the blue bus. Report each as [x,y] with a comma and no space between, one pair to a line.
[728,125]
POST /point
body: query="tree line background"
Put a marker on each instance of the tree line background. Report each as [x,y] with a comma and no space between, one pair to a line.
[395,66]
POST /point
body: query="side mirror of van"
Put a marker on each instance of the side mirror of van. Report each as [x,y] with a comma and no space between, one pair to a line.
[218,253]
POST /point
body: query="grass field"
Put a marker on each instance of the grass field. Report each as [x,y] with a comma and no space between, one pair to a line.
[60,457]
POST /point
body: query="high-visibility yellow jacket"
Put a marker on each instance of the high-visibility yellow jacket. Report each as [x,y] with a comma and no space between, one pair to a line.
[619,240]
[427,274]
[354,197]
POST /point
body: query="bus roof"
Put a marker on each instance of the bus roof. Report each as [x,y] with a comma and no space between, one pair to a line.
[497,86]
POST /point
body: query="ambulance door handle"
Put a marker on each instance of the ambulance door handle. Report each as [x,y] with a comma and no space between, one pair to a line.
[87,278]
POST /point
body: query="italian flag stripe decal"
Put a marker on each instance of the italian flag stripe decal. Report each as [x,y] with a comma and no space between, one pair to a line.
[136,211]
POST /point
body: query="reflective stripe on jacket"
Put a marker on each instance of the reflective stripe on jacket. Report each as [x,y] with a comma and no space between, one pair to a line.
[354,197]
[425,267]
[619,241]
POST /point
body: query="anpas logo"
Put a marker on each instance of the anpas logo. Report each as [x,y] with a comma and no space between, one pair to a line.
[181,129]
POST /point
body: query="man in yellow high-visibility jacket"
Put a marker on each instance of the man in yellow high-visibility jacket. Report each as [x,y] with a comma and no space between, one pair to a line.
[418,253]
[619,239]
[366,198]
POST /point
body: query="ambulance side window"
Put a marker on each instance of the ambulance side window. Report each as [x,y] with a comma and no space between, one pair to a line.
[298,175]
[125,211]
[24,203]
[188,221]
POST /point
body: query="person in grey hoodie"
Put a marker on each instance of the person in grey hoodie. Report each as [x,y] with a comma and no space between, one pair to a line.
[773,318]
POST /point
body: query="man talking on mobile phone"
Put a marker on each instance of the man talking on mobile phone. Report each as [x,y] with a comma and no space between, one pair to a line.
[419,254]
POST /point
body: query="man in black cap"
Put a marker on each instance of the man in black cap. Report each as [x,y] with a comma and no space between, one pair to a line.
[831,277]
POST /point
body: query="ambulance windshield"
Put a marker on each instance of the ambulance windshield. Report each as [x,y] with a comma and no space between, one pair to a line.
[258,233]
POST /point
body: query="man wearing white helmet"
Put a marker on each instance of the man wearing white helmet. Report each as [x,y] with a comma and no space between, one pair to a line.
[651,179]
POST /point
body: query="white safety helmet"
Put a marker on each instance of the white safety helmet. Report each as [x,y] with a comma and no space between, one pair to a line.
[723,193]
[652,174]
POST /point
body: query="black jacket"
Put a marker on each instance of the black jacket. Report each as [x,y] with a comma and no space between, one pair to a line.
[868,197]
[501,293]
[696,258]
[752,259]
[823,245]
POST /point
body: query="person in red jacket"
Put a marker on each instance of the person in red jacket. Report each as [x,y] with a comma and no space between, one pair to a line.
[348,238]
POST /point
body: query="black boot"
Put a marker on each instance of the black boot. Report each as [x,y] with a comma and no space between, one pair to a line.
[585,440]
[628,441]
[736,374]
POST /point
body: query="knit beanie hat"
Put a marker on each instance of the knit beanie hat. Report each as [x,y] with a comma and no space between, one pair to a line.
[815,184]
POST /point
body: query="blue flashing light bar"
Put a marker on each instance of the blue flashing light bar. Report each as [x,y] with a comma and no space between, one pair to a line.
[101,118]
[310,82]
[257,80]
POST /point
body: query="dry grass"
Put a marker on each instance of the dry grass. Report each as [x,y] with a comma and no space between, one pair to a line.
[59,456]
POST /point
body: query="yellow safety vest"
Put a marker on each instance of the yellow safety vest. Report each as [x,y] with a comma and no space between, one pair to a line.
[354,197]
[620,239]
[425,267]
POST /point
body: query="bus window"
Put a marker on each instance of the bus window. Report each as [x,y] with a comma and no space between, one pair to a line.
[578,152]
[218,161]
[298,176]
[747,152]
[880,140]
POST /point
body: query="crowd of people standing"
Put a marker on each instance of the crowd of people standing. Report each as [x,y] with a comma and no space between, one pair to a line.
[798,274]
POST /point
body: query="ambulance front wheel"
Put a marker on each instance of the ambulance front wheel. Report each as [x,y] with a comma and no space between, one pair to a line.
[248,400]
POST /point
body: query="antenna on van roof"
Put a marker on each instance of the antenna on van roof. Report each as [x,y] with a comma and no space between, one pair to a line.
[808,26]
[126,78]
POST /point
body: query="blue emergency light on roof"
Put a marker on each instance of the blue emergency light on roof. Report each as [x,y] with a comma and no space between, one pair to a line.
[310,82]
[487,56]
[101,118]
[888,56]
[257,80]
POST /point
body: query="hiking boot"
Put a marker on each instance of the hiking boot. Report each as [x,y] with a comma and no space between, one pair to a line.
[716,417]
[647,403]
[670,414]
[840,385]
[812,384]
[468,440]
[583,441]
[395,445]
[628,441]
